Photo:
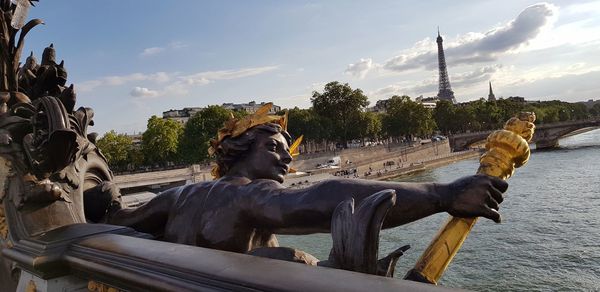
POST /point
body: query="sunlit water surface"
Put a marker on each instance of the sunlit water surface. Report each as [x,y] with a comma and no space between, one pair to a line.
[549,239]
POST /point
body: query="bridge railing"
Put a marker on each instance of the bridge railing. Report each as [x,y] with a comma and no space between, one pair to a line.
[538,126]
[105,255]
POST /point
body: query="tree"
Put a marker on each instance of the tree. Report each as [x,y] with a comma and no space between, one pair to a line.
[306,122]
[407,118]
[135,157]
[579,111]
[487,114]
[161,140]
[444,115]
[116,148]
[198,131]
[341,106]
[595,110]
[509,108]
[369,126]
[465,119]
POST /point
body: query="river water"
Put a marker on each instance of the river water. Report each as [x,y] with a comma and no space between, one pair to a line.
[549,239]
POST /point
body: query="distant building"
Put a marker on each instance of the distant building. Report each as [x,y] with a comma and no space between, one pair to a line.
[516,98]
[427,102]
[136,139]
[380,106]
[183,115]
[590,103]
[491,96]
[250,107]
[429,105]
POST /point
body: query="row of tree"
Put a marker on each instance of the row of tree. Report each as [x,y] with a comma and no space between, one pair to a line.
[166,141]
[338,115]
[487,115]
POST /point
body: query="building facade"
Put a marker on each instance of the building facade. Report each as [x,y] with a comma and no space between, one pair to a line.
[250,107]
[183,115]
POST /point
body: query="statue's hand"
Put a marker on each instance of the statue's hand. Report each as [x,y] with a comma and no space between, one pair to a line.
[472,196]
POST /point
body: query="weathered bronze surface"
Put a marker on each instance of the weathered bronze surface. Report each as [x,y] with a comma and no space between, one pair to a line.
[53,180]
[507,149]
[51,173]
[247,205]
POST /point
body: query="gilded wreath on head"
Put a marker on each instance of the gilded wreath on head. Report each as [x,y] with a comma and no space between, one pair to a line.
[234,127]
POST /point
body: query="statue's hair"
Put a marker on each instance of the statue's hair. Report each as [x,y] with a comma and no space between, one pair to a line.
[231,150]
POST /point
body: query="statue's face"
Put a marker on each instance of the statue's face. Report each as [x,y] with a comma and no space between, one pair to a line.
[269,157]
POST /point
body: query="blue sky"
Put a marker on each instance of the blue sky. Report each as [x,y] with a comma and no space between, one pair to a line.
[133,59]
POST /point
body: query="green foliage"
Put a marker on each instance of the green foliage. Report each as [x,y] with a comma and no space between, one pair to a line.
[306,122]
[488,115]
[337,114]
[341,107]
[198,131]
[465,119]
[595,110]
[369,126]
[406,118]
[161,140]
[444,115]
[509,108]
[116,148]
[135,157]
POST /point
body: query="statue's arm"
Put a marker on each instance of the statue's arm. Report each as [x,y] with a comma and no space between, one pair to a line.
[309,210]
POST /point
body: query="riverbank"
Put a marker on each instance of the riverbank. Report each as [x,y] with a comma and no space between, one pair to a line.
[434,162]
[383,172]
[551,201]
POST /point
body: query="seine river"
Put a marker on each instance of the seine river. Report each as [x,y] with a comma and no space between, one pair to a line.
[549,239]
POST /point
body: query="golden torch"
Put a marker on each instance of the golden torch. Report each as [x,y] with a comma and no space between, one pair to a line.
[506,150]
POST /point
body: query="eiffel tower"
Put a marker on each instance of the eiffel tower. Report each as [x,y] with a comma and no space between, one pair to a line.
[445,91]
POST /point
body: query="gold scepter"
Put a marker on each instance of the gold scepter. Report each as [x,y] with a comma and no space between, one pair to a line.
[506,150]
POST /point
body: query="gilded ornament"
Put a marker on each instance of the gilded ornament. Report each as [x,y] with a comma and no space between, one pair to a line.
[235,127]
[506,150]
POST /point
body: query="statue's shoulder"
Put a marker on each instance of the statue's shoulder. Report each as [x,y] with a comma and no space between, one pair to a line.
[265,184]
[201,185]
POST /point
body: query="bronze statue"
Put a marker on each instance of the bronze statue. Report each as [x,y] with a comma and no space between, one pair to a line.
[53,179]
[247,205]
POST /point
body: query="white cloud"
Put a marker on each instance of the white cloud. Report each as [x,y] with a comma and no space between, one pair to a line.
[151,51]
[470,48]
[558,86]
[360,68]
[479,76]
[317,86]
[210,76]
[143,92]
[116,80]
[185,82]
[546,72]
[578,26]
[177,45]
[147,52]
[460,81]
[585,7]
[180,84]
